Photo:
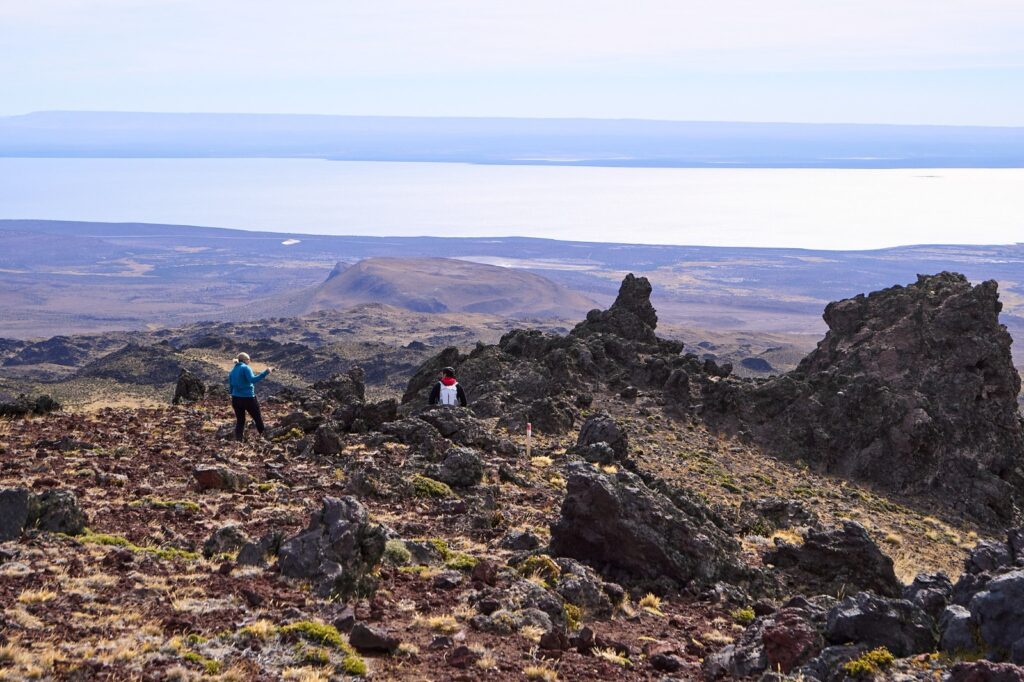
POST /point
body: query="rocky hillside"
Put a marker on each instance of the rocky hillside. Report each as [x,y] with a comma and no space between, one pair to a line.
[436,285]
[364,537]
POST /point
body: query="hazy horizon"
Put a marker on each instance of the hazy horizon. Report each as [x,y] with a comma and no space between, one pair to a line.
[791,60]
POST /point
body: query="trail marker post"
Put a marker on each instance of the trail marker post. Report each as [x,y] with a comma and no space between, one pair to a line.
[529,438]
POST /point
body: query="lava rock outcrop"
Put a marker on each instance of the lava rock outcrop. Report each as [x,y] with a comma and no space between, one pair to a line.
[545,379]
[912,388]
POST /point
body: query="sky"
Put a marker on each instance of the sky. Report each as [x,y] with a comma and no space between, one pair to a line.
[955,62]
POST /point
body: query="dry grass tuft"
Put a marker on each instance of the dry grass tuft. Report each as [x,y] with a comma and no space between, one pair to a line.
[36,596]
[532,632]
[540,672]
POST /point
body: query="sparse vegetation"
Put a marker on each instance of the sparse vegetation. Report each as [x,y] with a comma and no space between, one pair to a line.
[612,656]
[651,603]
[540,672]
[743,616]
[870,663]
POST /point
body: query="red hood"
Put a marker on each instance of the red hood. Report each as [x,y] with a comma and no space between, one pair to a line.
[448,381]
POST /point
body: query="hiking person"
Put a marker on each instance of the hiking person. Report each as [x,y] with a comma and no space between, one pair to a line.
[447,390]
[243,394]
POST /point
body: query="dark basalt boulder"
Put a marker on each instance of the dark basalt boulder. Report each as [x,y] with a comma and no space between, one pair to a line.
[343,389]
[460,468]
[780,642]
[15,505]
[833,561]
[629,532]
[867,619]
[912,388]
[601,428]
[999,618]
[58,511]
[930,591]
[23,406]
[368,639]
[226,539]
[986,671]
[337,552]
[189,388]
[55,510]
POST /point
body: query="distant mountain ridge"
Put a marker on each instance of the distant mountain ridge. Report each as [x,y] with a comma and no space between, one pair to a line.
[585,142]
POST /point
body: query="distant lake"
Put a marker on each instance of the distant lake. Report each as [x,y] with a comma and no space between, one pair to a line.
[818,208]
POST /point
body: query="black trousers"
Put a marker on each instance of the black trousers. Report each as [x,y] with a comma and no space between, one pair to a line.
[241,406]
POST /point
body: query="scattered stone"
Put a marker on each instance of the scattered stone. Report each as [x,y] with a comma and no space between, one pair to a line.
[14,512]
[23,406]
[520,540]
[226,539]
[366,639]
[781,641]
[601,428]
[189,388]
[338,550]
[447,580]
[987,556]
[581,585]
[58,512]
[220,478]
[554,640]
[777,513]
[460,468]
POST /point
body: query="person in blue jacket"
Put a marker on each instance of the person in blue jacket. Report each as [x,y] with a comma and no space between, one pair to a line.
[243,394]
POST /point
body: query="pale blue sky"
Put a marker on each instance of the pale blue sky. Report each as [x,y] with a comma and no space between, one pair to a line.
[870,61]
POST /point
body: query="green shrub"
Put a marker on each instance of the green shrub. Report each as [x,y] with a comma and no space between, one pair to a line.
[573,616]
[424,486]
[461,561]
[395,553]
[541,566]
[744,616]
[354,665]
[870,663]
[317,632]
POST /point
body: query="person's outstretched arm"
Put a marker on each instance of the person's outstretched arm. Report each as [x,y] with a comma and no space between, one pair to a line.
[435,394]
[460,394]
[253,377]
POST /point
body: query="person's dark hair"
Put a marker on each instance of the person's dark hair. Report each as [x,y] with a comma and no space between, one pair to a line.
[448,372]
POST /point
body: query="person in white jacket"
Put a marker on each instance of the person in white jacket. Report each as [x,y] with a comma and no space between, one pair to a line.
[447,390]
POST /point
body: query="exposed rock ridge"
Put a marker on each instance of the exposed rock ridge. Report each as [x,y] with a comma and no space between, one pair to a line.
[912,387]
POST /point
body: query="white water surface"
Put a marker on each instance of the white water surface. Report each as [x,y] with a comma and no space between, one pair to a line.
[796,208]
